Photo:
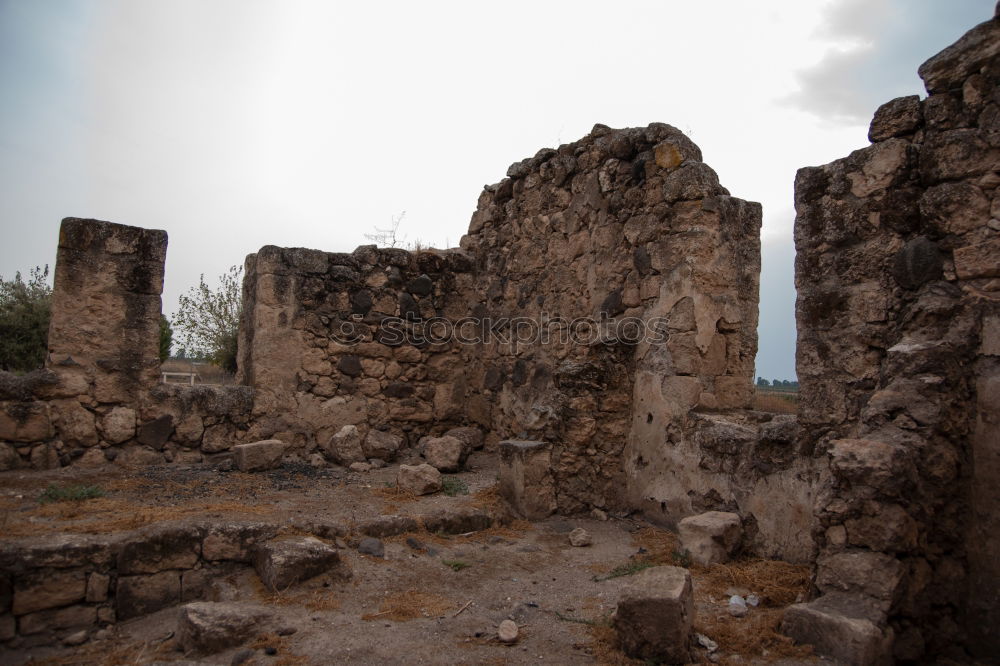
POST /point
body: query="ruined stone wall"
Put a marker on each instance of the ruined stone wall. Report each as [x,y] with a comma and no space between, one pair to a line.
[898,277]
[631,231]
[349,339]
[99,398]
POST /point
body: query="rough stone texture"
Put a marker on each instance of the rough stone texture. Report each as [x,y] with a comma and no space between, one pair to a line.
[48,590]
[381,445]
[711,537]
[840,627]
[446,454]
[526,482]
[418,479]
[259,456]
[283,562]
[896,271]
[344,447]
[142,595]
[106,307]
[655,615]
[207,627]
[158,548]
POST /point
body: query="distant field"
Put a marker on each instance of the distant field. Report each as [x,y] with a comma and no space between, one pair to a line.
[776,400]
[204,373]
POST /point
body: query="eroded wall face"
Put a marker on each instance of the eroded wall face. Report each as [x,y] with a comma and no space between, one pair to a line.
[626,252]
[898,277]
[336,339]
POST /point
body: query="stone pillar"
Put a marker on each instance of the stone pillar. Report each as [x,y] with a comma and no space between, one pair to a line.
[104,333]
[526,482]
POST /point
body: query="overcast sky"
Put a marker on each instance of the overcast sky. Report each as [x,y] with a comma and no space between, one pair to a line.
[234,124]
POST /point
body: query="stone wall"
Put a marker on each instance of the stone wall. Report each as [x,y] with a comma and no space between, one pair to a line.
[630,233]
[898,277]
[334,339]
[99,398]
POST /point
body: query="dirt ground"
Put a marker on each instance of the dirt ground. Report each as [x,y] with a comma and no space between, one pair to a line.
[433,599]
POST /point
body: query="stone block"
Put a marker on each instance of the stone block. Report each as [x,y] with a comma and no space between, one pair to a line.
[526,481]
[155,433]
[284,562]
[978,261]
[142,595]
[896,118]
[382,445]
[118,425]
[158,548]
[259,456]
[207,627]
[234,541]
[56,619]
[457,521]
[418,479]
[385,526]
[839,627]
[8,627]
[25,422]
[471,438]
[97,587]
[655,615]
[46,589]
[712,537]
[875,575]
[345,447]
[446,454]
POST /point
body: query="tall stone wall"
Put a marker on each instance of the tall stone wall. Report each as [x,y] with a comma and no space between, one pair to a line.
[331,340]
[898,277]
[628,279]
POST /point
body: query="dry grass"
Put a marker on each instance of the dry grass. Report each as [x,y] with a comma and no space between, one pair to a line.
[660,545]
[754,635]
[777,583]
[488,499]
[283,656]
[604,647]
[514,530]
[105,653]
[394,494]
[410,605]
[775,403]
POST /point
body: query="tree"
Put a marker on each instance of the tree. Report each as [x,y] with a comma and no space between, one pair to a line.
[166,338]
[762,382]
[208,319]
[25,310]
[388,237]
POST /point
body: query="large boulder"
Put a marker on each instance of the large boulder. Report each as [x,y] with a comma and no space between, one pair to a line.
[259,456]
[446,454]
[208,627]
[841,626]
[382,445]
[418,479]
[345,447]
[283,562]
[712,537]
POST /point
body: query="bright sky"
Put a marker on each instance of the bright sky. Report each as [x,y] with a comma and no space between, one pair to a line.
[234,124]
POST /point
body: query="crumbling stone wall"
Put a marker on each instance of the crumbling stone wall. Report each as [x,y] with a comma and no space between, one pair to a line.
[98,398]
[898,276]
[630,230]
[348,339]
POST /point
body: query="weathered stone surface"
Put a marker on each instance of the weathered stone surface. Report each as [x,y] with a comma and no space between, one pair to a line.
[25,421]
[259,456]
[372,546]
[876,575]
[142,595]
[118,425]
[978,261]
[949,68]
[839,627]
[917,262]
[43,590]
[457,521]
[157,548]
[156,432]
[381,444]
[207,627]
[711,537]
[418,479]
[283,562]
[9,458]
[97,587]
[526,482]
[385,526]
[507,632]
[896,118]
[137,456]
[471,438]
[446,454]
[234,541]
[580,538]
[345,447]
[655,615]
[75,424]
[70,617]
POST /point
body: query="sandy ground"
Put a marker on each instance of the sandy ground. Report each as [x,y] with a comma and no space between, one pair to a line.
[432,600]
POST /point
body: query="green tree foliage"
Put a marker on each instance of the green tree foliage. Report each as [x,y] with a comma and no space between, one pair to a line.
[25,310]
[166,338]
[208,319]
[762,382]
